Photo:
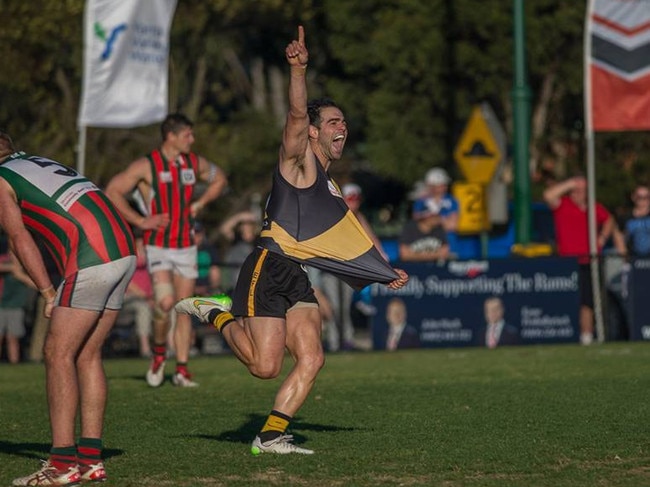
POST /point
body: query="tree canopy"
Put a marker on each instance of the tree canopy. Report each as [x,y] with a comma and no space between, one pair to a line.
[406,72]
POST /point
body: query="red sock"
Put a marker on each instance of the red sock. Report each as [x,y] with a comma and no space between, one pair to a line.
[89,451]
[63,458]
[159,352]
[182,369]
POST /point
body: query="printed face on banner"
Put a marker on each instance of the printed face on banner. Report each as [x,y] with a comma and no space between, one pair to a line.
[538,301]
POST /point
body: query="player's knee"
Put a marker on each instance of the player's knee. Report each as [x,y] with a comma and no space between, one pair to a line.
[54,355]
[266,370]
[167,303]
[164,298]
[309,366]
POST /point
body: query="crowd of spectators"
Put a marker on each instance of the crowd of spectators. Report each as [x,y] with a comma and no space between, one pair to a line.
[430,226]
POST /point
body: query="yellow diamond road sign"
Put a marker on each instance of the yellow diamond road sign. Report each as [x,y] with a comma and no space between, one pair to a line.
[477,153]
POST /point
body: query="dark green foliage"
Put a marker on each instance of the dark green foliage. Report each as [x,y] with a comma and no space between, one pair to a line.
[406,72]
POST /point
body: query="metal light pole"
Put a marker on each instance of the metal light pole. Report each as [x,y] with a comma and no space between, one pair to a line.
[521,129]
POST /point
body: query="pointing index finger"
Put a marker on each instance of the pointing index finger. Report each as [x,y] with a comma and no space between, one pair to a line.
[301,35]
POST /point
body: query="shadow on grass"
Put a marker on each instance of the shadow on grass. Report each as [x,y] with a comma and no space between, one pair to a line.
[249,429]
[41,450]
[139,377]
[167,380]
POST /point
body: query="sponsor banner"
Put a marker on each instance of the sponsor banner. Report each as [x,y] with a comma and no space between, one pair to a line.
[637,295]
[619,64]
[126,50]
[449,304]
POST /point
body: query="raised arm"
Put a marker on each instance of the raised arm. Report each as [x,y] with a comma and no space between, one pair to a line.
[295,138]
[553,195]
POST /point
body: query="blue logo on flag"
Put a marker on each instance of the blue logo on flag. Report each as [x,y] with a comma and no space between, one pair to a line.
[109,40]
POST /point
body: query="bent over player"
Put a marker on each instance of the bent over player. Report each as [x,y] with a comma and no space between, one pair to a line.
[94,251]
[306,222]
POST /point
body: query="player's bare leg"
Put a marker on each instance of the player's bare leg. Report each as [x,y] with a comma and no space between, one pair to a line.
[304,344]
[303,340]
[62,344]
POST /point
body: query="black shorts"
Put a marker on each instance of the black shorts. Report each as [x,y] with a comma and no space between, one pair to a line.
[269,284]
[585,286]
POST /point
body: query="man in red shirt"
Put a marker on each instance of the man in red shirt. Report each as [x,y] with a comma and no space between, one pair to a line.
[568,200]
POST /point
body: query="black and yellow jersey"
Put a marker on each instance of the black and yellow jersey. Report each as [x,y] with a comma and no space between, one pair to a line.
[314,226]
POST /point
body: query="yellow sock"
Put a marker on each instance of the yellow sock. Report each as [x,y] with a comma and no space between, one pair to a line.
[221,319]
[276,424]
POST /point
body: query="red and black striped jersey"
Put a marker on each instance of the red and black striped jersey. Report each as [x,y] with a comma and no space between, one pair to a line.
[172,189]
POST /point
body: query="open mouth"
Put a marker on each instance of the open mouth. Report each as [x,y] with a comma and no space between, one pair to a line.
[338,142]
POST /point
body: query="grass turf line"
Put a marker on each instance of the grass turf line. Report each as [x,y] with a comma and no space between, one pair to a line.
[521,416]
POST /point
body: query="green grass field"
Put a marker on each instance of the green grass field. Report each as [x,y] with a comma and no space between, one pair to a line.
[527,416]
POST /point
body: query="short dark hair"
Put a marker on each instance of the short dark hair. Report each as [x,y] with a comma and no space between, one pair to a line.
[314,108]
[6,144]
[174,122]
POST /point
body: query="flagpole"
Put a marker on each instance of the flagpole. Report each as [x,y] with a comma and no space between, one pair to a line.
[81,151]
[591,180]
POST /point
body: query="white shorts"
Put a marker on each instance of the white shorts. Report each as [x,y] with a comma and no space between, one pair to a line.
[180,261]
[98,287]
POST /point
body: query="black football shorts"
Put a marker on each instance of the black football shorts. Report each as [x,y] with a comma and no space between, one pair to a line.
[269,284]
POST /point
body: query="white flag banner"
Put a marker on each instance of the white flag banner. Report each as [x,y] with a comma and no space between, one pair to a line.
[126,52]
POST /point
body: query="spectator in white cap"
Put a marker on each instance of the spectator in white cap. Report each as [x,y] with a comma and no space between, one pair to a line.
[424,238]
[437,189]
